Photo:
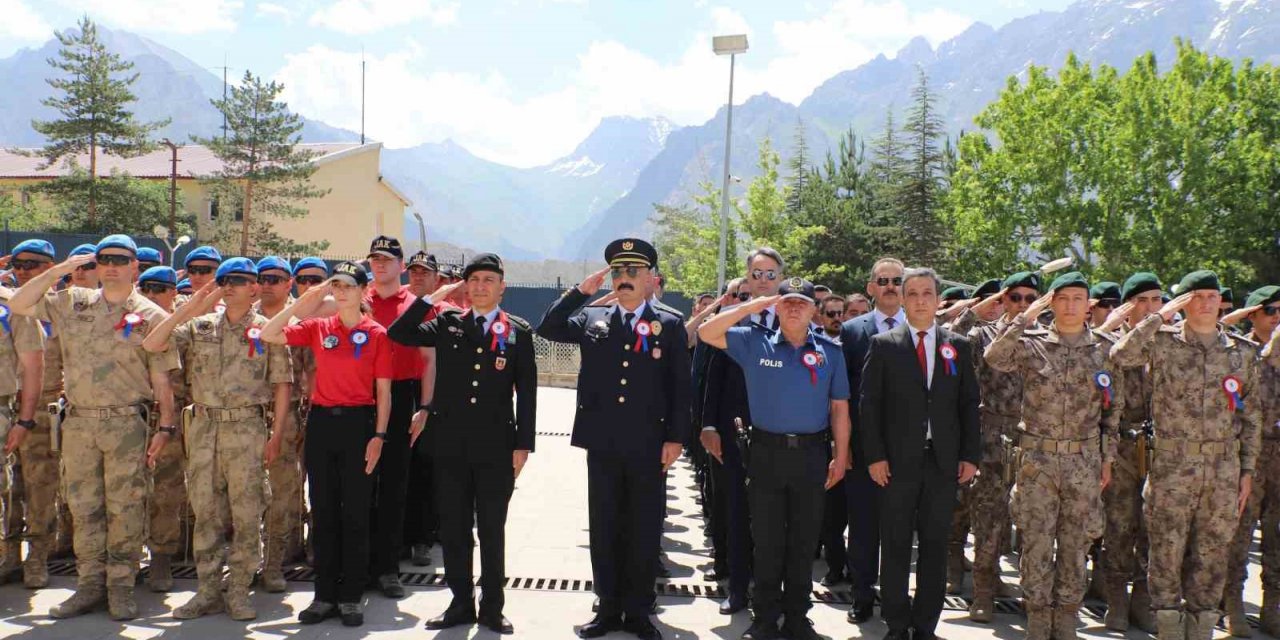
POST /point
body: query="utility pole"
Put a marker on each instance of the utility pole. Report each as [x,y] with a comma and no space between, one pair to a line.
[361,95]
[224,97]
[173,186]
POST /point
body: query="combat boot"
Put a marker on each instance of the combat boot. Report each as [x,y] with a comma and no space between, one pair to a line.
[238,605]
[1270,614]
[1140,612]
[272,571]
[1233,604]
[983,607]
[1200,625]
[955,569]
[159,575]
[1039,622]
[84,600]
[10,560]
[208,599]
[1065,620]
[1117,618]
[1169,625]
[120,603]
[35,570]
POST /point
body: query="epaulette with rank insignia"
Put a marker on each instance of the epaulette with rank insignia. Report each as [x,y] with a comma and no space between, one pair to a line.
[520,322]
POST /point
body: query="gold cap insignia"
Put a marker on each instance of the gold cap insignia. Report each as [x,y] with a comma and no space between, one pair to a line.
[628,245]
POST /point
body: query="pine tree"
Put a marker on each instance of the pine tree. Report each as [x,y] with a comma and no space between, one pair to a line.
[918,193]
[93,104]
[264,172]
[799,167]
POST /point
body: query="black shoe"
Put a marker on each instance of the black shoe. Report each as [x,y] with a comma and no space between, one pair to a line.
[420,555]
[599,626]
[863,612]
[642,628]
[389,585]
[833,579]
[800,628]
[497,623]
[733,604]
[663,571]
[897,635]
[352,614]
[318,611]
[920,635]
[595,605]
[457,614]
[761,630]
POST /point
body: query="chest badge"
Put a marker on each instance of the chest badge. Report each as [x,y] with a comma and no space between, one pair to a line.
[329,342]
[127,322]
[948,352]
[4,318]
[642,336]
[254,336]
[811,360]
[1103,380]
[1231,387]
[500,363]
[359,338]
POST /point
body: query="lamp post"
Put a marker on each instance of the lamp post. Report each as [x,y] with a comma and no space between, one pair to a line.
[162,232]
[730,46]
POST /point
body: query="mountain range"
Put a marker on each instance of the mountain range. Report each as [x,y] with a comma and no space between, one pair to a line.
[607,186]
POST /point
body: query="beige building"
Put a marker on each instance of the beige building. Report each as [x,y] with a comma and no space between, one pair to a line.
[360,204]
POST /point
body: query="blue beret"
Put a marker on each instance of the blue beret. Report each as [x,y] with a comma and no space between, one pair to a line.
[165,275]
[236,266]
[274,262]
[117,241]
[84,250]
[184,286]
[147,254]
[36,246]
[310,263]
[202,253]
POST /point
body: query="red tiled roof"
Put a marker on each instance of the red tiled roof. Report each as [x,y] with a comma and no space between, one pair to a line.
[194,161]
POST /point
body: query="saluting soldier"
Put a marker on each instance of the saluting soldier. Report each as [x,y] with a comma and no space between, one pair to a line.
[1206,447]
[632,418]
[111,381]
[234,377]
[477,444]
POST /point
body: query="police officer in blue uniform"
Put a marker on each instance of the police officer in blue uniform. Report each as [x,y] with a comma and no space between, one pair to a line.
[632,418]
[798,390]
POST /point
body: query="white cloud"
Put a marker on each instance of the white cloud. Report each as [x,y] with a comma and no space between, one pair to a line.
[21,23]
[273,10]
[169,16]
[369,16]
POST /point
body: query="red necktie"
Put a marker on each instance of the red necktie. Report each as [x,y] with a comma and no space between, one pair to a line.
[920,355]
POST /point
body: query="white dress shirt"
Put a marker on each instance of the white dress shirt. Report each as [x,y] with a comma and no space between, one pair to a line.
[639,312]
[930,347]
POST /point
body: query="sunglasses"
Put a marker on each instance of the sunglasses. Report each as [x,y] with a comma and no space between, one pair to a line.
[309,280]
[630,271]
[1108,303]
[200,269]
[234,281]
[114,260]
[155,287]
[272,279]
[27,265]
[770,274]
[88,266]
[884,282]
[1018,298]
[1270,311]
[742,296]
[147,265]
[833,314]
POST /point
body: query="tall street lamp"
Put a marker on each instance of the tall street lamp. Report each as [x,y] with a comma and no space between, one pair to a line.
[163,232]
[730,46]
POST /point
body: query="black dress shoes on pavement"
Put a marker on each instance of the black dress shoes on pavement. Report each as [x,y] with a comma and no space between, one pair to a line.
[456,615]
[862,612]
[800,628]
[833,579]
[599,626]
[762,630]
[897,635]
[496,622]
[642,628]
[733,604]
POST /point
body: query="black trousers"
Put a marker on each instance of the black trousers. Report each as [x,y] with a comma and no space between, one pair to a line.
[864,533]
[731,490]
[391,481]
[835,518]
[786,493]
[923,510]
[625,500]
[474,494]
[420,520]
[340,492]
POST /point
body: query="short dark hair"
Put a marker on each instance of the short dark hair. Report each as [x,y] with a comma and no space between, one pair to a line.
[921,272]
[770,253]
[831,300]
[706,295]
[820,288]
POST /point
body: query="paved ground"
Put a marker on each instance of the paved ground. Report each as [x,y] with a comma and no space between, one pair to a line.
[547,559]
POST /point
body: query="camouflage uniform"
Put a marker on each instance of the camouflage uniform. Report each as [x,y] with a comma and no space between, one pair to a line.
[1001,408]
[1201,449]
[232,386]
[283,539]
[22,335]
[169,514]
[965,496]
[1057,497]
[1125,540]
[51,393]
[104,439]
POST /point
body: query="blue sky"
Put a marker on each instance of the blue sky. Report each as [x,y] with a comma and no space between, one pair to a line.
[518,81]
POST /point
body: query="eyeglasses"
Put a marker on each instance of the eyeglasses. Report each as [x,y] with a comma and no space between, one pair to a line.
[630,271]
[27,265]
[1108,303]
[147,265]
[771,274]
[272,279]
[200,269]
[1270,311]
[154,287]
[234,281]
[114,259]
[309,280]
[88,266]
[834,314]
[884,282]
[1018,298]
[743,296]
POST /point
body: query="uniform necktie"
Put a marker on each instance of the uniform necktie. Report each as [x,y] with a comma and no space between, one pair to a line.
[890,322]
[630,320]
[764,317]
[920,355]
[480,324]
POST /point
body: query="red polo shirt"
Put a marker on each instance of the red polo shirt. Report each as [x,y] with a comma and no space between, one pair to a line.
[342,379]
[406,362]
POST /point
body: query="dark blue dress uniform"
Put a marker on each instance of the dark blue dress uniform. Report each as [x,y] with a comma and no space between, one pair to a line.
[630,402]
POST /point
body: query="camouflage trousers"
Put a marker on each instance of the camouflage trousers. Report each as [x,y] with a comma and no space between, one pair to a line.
[990,513]
[285,508]
[960,519]
[104,473]
[1125,541]
[10,483]
[1057,506]
[226,479]
[1190,507]
[168,509]
[1264,502]
[31,508]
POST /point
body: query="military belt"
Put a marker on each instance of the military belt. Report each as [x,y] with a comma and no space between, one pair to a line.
[102,413]
[789,440]
[1051,445]
[225,414]
[1189,448]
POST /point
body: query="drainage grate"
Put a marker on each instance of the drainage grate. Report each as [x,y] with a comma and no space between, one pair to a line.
[554,433]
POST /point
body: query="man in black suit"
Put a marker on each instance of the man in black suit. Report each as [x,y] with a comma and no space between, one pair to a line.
[885,288]
[477,444]
[919,435]
[632,418]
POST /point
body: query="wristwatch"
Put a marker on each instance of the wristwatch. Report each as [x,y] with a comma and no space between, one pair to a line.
[171,430]
[381,435]
[25,424]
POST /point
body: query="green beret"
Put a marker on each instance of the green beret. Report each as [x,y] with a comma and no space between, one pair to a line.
[988,288]
[1227,296]
[1140,282]
[1269,294]
[955,293]
[1069,279]
[1199,281]
[1023,279]
[1104,290]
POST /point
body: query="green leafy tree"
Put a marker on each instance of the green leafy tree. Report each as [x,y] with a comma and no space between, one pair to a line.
[688,239]
[265,174]
[92,100]
[125,204]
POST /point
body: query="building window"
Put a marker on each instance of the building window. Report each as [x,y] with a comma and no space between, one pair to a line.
[213,210]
